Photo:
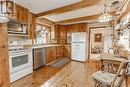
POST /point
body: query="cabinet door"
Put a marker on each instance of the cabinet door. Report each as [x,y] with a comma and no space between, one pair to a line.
[67,51]
[15,14]
[22,14]
[59,52]
[50,54]
[47,55]
[53,53]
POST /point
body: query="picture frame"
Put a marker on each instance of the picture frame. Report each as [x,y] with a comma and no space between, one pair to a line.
[98,37]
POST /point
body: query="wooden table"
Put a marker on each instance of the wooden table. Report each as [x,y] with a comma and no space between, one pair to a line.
[112,60]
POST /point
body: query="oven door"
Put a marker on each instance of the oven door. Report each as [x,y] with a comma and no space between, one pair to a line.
[20,60]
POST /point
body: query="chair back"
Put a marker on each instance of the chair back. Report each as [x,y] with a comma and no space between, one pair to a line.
[121,73]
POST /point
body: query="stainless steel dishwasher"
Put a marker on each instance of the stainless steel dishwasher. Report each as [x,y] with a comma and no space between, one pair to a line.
[39,57]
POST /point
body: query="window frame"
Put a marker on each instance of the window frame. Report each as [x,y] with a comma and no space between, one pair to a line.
[49,34]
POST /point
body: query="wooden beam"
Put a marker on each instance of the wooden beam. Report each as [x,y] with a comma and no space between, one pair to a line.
[125,12]
[79,19]
[91,17]
[4,60]
[78,5]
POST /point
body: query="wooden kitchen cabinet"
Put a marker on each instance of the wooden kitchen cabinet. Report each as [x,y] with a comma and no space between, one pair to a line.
[21,14]
[67,51]
[59,52]
[50,54]
[32,26]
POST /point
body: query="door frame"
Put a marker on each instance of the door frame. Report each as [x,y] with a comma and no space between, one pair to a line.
[91,28]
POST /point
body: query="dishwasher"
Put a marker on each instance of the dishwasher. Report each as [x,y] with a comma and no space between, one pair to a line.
[39,58]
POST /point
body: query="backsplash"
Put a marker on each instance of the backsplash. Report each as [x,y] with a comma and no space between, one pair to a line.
[18,40]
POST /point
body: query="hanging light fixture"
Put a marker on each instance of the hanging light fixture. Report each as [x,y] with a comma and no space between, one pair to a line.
[105,16]
[7,8]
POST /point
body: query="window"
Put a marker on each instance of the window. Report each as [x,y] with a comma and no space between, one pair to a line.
[42,33]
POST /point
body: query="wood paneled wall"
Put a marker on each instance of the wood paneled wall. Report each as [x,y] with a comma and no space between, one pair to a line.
[60,33]
[63,35]
[80,27]
[4,63]
[63,32]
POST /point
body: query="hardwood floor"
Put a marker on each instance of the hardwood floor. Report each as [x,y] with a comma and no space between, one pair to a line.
[73,74]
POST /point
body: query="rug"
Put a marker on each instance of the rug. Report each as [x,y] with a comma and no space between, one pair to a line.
[60,62]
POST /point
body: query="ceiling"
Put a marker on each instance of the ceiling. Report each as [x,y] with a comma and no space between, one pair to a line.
[37,6]
[46,5]
[92,10]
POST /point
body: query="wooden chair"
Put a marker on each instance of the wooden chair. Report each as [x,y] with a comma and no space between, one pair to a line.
[106,79]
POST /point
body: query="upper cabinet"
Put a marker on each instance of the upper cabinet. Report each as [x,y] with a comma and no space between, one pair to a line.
[21,14]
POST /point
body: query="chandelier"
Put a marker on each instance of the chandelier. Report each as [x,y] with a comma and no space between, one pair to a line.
[6,9]
[105,16]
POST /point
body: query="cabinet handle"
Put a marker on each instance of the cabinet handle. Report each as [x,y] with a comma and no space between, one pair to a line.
[3,46]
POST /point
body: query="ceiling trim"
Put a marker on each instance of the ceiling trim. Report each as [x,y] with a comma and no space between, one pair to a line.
[78,5]
[101,27]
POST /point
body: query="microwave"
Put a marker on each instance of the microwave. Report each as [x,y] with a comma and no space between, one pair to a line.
[15,27]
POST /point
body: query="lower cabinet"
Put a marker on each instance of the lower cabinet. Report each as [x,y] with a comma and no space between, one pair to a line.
[50,54]
[53,53]
[67,51]
[59,52]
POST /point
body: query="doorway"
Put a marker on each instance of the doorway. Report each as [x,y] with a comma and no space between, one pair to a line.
[100,41]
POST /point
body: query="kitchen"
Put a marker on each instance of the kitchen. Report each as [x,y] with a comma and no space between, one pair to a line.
[39,43]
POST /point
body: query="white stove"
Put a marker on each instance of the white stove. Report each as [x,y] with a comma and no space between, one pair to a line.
[20,62]
[15,47]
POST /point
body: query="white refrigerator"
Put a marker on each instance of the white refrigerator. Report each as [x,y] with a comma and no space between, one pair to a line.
[79,51]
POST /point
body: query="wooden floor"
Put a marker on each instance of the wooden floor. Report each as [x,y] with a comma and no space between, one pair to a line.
[73,74]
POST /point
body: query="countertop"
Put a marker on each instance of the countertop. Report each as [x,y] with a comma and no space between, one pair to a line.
[36,46]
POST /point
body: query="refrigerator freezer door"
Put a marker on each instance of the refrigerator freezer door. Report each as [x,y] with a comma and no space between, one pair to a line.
[79,37]
[78,51]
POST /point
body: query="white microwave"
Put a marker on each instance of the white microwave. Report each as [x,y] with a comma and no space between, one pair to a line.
[17,28]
